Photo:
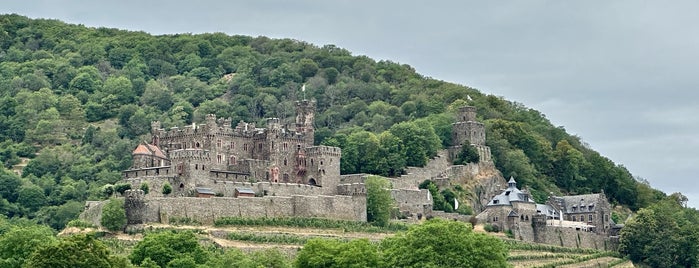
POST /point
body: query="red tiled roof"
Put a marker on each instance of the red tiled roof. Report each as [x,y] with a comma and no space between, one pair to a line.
[156,151]
[149,149]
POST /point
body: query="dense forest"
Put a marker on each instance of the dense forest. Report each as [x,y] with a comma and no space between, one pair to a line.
[74,102]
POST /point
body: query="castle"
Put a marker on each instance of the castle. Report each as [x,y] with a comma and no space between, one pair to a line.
[276,171]
[202,155]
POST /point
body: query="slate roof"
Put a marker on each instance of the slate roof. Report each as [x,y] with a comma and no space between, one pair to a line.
[578,203]
[148,149]
[244,190]
[205,191]
[509,195]
[548,210]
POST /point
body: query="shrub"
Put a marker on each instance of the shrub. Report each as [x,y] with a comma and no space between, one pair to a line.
[167,189]
[145,188]
[122,187]
[491,228]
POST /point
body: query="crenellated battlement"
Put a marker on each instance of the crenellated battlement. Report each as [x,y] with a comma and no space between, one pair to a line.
[324,150]
[194,154]
[352,189]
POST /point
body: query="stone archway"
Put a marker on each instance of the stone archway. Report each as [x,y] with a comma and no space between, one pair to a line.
[312,181]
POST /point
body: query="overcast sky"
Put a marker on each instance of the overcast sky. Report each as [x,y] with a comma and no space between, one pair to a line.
[622,75]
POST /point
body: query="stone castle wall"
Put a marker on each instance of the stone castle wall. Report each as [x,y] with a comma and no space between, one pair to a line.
[413,201]
[207,210]
[568,237]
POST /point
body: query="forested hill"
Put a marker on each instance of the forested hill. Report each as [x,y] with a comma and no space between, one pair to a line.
[76,100]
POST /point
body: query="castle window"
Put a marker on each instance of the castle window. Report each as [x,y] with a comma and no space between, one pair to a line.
[196,166]
[521,217]
[245,147]
[495,218]
[298,147]
[219,159]
[232,145]
[285,161]
[232,160]
[218,143]
[197,145]
[286,146]
[259,146]
[311,161]
[321,162]
[575,218]
[526,218]
[589,217]
[606,218]
[203,167]
[285,177]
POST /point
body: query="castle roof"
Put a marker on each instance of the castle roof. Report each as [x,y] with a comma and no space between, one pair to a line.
[509,195]
[578,203]
[148,149]
[547,210]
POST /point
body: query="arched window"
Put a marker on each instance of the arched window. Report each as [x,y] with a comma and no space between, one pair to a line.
[232,160]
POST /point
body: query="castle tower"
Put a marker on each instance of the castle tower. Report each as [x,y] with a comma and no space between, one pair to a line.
[323,167]
[305,113]
[467,129]
[155,128]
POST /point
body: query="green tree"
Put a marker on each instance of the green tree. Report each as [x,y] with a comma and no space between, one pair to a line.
[442,243]
[165,246]
[76,251]
[114,215]
[378,200]
[19,242]
[333,253]
[420,141]
[9,185]
[31,197]
[391,155]
[468,154]
[662,235]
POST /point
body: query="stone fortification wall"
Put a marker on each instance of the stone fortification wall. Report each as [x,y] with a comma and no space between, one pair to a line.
[155,185]
[152,171]
[354,178]
[413,202]
[351,189]
[415,175]
[227,188]
[451,216]
[568,237]
[207,210]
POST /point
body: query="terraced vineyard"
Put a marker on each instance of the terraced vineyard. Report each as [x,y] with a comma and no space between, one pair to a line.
[290,239]
[538,255]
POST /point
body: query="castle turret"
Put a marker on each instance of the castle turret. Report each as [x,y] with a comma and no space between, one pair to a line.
[467,129]
[305,112]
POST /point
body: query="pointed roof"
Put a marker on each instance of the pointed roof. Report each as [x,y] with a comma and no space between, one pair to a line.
[511,194]
[148,149]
